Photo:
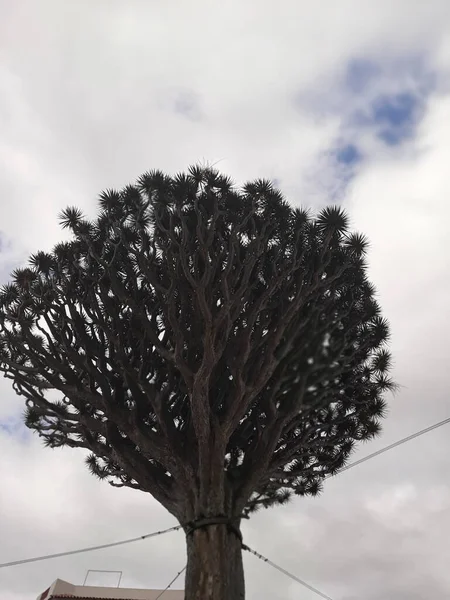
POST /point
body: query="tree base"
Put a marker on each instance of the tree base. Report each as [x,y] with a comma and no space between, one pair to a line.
[214,565]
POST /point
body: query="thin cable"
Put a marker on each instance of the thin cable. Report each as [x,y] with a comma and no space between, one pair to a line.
[408,438]
[89,549]
[281,570]
[346,468]
[149,535]
[173,581]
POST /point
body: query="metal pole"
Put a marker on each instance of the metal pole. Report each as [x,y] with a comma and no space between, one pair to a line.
[103,571]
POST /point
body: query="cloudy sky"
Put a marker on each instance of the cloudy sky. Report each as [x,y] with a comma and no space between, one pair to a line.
[348,102]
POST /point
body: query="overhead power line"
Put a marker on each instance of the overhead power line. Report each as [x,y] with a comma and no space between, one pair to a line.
[89,549]
[408,438]
[346,468]
[172,582]
[156,533]
[287,573]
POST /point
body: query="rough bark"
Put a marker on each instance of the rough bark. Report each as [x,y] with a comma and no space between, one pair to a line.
[214,565]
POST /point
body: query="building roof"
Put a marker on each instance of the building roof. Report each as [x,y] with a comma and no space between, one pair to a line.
[62,590]
[179,596]
[67,596]
[169,594]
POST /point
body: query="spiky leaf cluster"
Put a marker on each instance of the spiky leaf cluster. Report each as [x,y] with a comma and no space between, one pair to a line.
[190,311]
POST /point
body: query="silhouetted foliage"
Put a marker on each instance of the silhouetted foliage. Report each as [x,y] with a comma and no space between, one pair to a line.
[215,347]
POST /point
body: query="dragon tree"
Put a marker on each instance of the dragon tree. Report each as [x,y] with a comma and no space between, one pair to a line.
[210,345]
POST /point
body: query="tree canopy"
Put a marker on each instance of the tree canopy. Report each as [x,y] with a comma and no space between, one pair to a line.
[202,339]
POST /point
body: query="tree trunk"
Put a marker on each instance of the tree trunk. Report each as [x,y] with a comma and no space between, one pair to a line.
[214,565]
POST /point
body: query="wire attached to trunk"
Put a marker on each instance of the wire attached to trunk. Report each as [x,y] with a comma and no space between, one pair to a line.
[208,521]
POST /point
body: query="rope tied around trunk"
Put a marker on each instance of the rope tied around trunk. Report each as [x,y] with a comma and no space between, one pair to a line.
[208,521]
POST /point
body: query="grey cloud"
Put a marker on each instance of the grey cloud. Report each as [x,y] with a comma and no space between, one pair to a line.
[89,94]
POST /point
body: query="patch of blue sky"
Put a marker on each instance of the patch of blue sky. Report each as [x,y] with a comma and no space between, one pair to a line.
[341,163]
[392,118]
[373,100]
[348,154]
[384,99]
[387,99]
[396,116]
[359,74]
[14,427]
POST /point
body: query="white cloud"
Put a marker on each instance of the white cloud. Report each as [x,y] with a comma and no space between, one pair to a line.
[88,100]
